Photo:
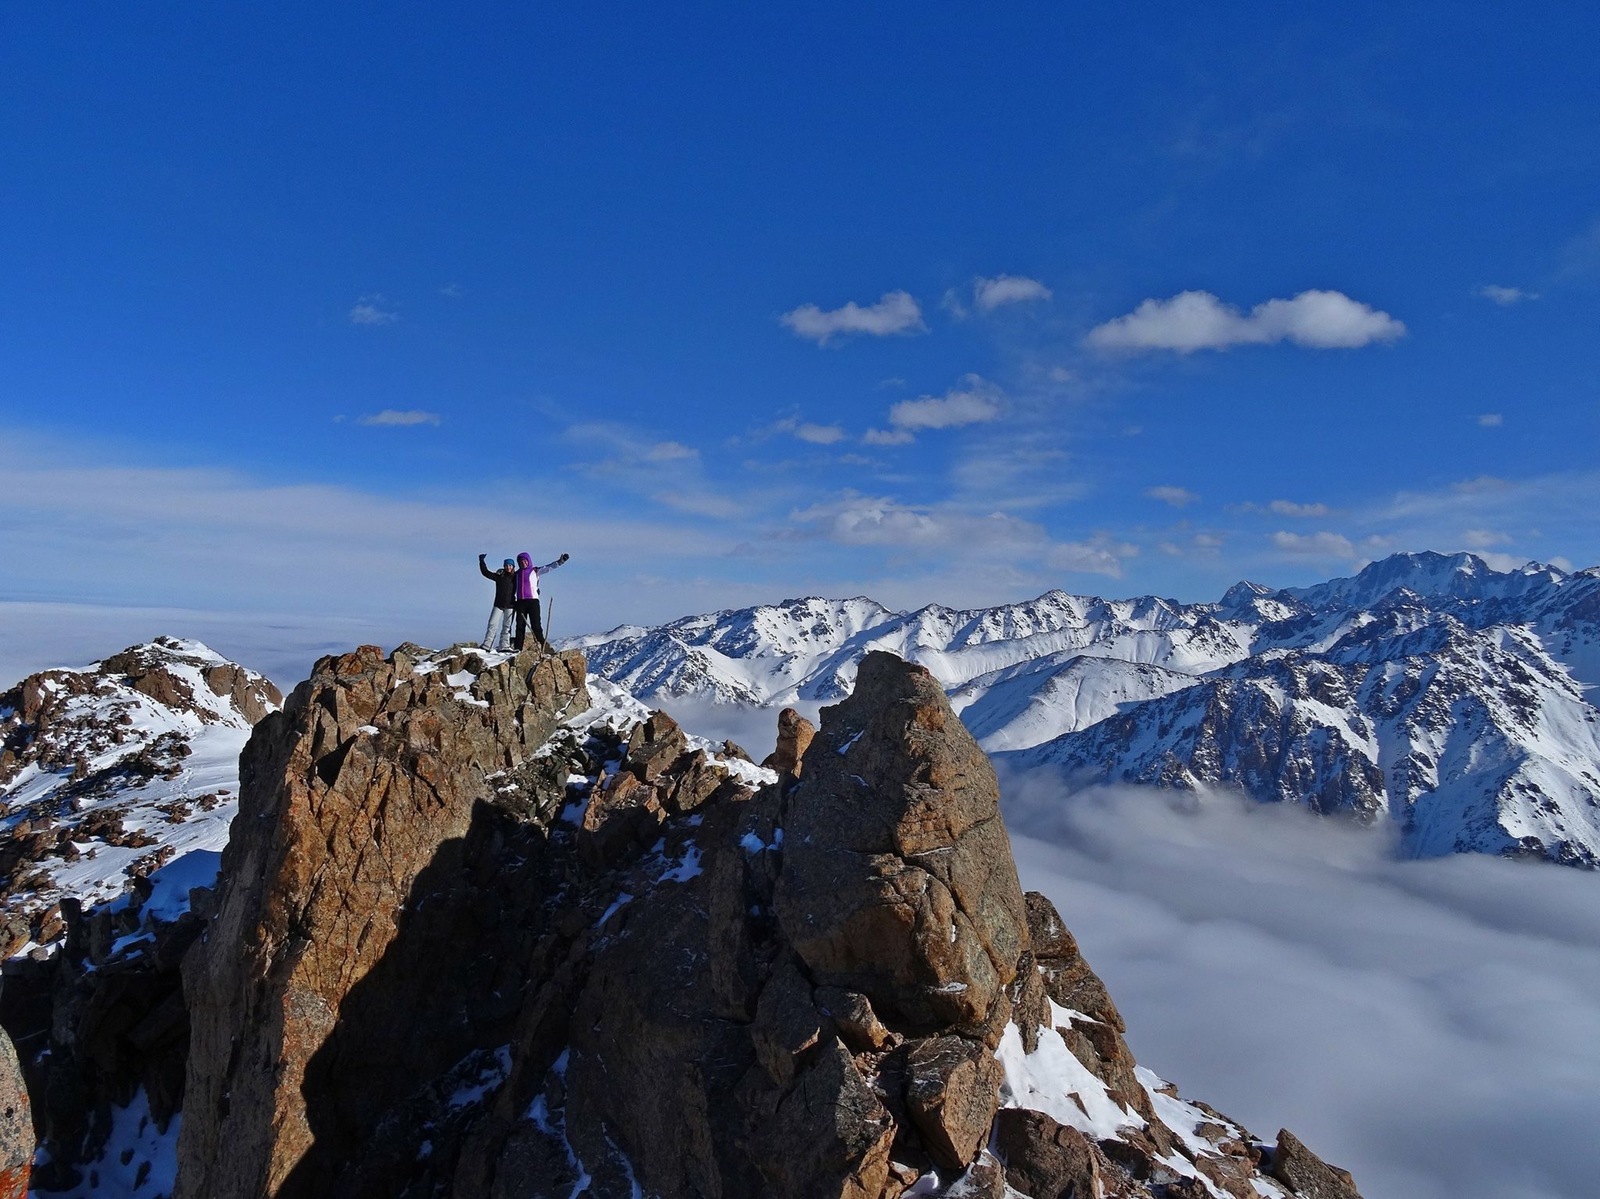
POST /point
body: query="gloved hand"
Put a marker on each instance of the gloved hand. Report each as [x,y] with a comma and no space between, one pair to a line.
[564,557]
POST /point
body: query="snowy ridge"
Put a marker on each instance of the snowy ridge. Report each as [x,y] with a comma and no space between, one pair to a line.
[1430,690]
[113,770]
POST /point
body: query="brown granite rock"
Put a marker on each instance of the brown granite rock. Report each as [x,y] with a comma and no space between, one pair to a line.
[1046,1160]
[794,737]
[952,1093]
[898,880]
[1305,1174]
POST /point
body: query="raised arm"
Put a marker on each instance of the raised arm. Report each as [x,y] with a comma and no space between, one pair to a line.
[483,567]
[561,561]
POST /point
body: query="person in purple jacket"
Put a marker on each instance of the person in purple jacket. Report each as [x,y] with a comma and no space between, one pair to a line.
[528,597]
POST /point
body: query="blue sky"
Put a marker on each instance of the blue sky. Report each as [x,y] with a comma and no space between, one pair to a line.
[301,310]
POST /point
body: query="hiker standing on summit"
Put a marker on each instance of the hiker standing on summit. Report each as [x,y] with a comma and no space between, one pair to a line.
[527,593]
[505,603]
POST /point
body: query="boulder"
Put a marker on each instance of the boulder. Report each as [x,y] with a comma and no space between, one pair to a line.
[952,1093]
[1305,1174]
[794,737]
[1046,1160]
[898,880]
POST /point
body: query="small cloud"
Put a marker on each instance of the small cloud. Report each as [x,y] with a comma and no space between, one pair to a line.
[813,433]
[1482,539]
[1178,497]
[895,313]
[888,437]
[1505,296]
[371,310]
[1207,542]
[819,434]
[1314,545]
[669,451]
[1060,374]
[398,419]
[973,401]
[1490,420]
[1197,320]
[451,290]
[1290,508]
[1480,485]
[989,294]
[952,304]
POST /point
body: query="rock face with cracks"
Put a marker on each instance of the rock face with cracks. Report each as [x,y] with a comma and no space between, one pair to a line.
[461,950]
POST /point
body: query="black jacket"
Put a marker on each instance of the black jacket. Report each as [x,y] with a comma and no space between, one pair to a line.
[505,584]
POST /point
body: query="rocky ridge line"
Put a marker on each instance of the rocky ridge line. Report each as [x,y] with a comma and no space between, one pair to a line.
[458,952]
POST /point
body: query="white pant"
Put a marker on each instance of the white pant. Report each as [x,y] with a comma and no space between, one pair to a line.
[501,641]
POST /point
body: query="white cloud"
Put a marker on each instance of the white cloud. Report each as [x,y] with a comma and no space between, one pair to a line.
[396,418]
[989,294]
[896,312]
[819,434]
[1178,497]
[1408,1019]
[1479,539]
[812,433]
[1491,420]
[949,534]
[1290,508]
[371,310]
[1505,296]
[973,401]
[1197,320]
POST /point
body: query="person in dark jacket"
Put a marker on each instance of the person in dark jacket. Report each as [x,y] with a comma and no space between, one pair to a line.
[505,603]
[528,597]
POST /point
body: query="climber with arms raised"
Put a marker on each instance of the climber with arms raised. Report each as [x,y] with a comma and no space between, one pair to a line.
[527,597]
[505,603]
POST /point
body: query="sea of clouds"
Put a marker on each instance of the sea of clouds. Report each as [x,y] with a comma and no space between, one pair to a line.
[1432,1026]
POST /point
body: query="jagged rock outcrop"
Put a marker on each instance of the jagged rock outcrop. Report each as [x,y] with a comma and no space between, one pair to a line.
[368,778]
[794,738]
[105,1035]
[898,880]
[16,1125]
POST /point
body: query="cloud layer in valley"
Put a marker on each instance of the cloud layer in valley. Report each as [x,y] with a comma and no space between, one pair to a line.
[1433,1026]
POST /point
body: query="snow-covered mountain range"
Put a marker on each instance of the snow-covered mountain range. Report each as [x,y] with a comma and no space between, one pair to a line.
[1434,690]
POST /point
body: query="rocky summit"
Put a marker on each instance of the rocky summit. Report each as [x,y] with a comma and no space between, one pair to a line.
[484,929]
